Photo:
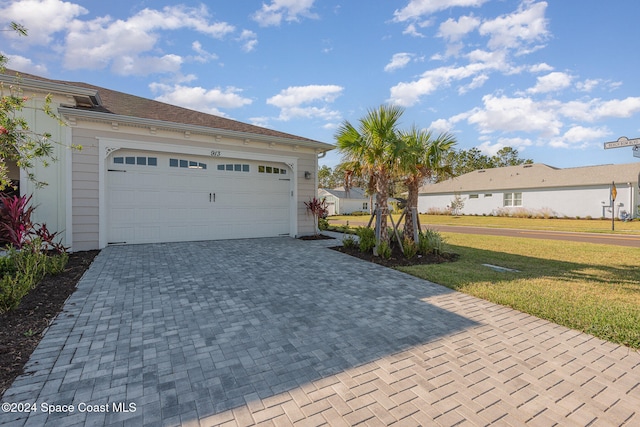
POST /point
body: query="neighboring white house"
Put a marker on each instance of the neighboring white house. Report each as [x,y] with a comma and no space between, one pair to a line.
[341,202]
[153,172]
[539,189]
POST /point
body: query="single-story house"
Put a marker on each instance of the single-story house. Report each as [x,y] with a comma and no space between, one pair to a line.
[342,202]
[152,172]
[540,190]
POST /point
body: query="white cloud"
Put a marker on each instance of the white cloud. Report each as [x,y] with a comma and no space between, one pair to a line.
[597,109]
[491,149]
[516,115]
[418,8]
[289,10]
[453,30]
[408,94]
[527,25]
[441,125]
[540,68]
[128,46]
[249,40]
[582,134]
[203,56]
[588,85]
[411,30]
[259,121]
[476,82]
[41,18]
[621,108]
[551,82]
[293,102]
[140,65]
[200,99]
[398,61]
[297,95]
[25,65]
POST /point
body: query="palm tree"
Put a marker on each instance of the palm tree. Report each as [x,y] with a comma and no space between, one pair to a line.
[373,149]
[423,159]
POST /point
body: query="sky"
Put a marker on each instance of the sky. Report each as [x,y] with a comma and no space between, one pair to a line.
[554,80]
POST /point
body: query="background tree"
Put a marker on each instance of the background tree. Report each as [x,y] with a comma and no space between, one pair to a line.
[371,150]
[330,178]
[508,156]
[465,161]
[18,143]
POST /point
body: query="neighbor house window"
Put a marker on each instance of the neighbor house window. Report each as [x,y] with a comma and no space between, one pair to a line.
[473,196]
[365,206]
[512,199]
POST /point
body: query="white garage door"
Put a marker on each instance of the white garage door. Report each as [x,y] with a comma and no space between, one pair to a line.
[158,197]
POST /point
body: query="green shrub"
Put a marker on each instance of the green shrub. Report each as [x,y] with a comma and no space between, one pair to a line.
[410,248]
[384,250]
[367,238]
[431,241]
[21,271]
[323,223]
[6,265]
[349,241]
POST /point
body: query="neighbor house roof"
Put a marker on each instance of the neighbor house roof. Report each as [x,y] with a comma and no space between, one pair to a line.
[96,101]
[339,192]
[535,175]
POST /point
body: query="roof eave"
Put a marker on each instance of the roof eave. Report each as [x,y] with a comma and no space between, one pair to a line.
[203,130]
[46,86]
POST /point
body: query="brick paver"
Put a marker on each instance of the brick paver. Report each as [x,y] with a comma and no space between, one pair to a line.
[286,332]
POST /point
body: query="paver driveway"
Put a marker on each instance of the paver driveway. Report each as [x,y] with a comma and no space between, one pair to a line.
[280,331]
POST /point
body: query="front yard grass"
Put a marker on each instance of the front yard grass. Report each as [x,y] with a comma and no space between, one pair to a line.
[589,287]
[551,224]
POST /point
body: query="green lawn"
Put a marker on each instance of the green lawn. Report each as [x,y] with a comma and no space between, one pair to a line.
[589,287]
[583,225]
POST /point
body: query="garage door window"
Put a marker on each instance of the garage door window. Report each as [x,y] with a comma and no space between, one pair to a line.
[271,169]
[234,167]
[187,164]
[139,160]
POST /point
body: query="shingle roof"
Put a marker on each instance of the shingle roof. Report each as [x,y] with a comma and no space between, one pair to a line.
[353,193]
[123,104]
[536,175]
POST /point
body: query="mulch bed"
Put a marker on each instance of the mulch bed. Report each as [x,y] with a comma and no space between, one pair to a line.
[22,329]
[316,237]
[397,259]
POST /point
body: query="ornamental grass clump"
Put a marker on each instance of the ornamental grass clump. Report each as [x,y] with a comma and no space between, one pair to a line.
[21,270]
[431,241]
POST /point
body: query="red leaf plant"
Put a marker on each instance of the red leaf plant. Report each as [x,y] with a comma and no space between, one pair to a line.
[17,229]
[318,209]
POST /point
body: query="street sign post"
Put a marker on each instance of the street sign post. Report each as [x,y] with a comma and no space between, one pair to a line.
[613,195]
[623,141]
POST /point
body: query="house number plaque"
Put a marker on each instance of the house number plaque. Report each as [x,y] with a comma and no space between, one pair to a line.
[216,153]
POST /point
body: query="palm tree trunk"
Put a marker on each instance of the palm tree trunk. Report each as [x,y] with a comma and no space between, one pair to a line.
[382,196]
[412,203]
